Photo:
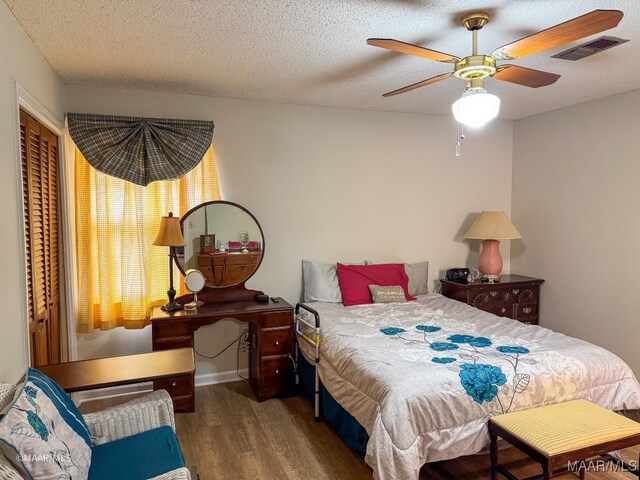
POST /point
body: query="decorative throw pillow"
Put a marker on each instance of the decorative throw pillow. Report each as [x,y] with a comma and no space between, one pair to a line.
[321,282]
[43,434]
[418,274]
[389,294]
[355,280]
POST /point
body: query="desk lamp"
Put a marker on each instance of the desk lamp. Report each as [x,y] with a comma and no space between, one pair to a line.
[169,235]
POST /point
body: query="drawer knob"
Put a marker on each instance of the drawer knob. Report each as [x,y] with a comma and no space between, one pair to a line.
[173,384]
[503,310]
[526,309]
[493,294]
[277,371]
[515,292]
[276,343]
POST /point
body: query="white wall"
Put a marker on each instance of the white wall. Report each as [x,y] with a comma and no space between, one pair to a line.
[329,184]
[576,200]
[20,62]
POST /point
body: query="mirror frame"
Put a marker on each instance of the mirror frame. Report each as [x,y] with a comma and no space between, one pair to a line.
[224,202]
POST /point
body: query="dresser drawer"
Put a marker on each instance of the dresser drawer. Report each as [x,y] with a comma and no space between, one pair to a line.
[529,320]
[204,261]
[524,310]
[276,341]
[234,274]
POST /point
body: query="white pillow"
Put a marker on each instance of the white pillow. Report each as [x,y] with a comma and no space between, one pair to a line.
[321,282]
[418,274]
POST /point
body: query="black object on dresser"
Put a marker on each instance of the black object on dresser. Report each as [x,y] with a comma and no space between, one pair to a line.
[515,296]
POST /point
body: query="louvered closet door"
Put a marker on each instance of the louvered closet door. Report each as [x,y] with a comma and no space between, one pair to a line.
[40,189]
[52,232]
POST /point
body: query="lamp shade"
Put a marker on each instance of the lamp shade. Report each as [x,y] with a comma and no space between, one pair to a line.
[494,226]
[169,234]
[476,107]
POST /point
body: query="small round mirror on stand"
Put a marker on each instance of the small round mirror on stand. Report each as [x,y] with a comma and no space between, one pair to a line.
[194,281]
[224,241]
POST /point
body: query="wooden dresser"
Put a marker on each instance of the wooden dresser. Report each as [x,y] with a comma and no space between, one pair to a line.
[229,268]
[515,296]
[271,371]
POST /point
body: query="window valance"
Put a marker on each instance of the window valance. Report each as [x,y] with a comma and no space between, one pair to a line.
[138,149]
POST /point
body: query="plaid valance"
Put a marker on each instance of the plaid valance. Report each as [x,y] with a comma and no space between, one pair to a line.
[140,150]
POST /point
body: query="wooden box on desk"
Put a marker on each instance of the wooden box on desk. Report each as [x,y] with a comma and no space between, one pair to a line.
[515,296]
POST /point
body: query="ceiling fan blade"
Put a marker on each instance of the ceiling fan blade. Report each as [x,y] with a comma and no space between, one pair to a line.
[527,77]
[423,83]
[410,49]
[580,27]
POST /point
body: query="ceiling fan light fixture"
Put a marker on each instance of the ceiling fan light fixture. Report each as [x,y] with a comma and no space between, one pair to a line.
[476,107]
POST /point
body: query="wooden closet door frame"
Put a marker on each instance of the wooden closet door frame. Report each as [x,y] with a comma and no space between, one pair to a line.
[26,102]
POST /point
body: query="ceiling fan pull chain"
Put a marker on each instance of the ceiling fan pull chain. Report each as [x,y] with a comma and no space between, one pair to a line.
[459,138]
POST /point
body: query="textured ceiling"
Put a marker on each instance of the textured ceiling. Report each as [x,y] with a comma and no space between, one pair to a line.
[314,51]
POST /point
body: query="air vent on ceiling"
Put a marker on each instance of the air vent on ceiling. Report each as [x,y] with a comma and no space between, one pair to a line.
[589,48]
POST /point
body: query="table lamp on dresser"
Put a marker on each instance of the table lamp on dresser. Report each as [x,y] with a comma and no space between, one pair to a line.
[491,227]
[170,235]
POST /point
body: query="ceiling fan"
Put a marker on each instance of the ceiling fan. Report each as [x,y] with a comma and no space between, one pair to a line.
[476,106]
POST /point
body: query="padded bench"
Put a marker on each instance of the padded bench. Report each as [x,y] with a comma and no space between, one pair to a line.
[562,436]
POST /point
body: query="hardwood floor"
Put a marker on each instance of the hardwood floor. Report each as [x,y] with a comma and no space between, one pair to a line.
[232,436]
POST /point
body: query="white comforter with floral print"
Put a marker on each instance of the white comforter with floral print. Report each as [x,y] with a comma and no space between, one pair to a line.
[423,377]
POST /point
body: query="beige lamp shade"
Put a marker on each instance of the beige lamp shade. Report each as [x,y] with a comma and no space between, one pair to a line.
[169,234]
[494,226]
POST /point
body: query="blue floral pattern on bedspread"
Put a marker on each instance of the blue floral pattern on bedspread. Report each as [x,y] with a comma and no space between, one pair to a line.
[482,381]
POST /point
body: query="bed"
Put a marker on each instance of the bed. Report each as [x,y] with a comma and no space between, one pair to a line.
[421,378]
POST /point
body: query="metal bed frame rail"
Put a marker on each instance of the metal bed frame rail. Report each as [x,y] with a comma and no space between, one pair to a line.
[314,340]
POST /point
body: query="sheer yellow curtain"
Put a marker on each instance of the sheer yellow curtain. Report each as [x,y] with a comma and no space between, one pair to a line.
[121,275]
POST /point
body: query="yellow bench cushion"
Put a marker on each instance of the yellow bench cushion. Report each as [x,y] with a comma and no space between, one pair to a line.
[566,427]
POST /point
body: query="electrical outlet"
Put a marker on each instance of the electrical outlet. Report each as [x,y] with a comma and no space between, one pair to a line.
[245,343]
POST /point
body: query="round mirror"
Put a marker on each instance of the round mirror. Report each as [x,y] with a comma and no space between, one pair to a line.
[222,240]
[194,280]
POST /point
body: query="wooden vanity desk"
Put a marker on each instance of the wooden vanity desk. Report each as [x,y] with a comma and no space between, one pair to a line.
[224,274]
[271,337]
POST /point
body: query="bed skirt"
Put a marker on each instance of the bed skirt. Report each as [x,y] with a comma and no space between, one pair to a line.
[347,427]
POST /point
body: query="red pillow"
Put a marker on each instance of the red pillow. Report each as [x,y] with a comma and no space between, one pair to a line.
[355,280]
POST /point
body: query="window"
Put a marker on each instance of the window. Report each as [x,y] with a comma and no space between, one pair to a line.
[121,275]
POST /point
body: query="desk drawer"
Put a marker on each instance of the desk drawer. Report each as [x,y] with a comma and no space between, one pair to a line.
[277,341]
[177,386]
[277,377]
[277,319]
[171,329]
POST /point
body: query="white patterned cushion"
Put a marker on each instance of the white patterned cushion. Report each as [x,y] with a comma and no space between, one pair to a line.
[42,434]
